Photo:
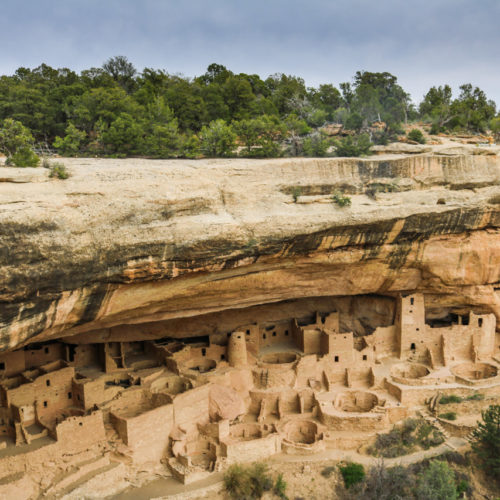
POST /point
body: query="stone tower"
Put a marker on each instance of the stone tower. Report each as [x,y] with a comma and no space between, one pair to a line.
[237,349]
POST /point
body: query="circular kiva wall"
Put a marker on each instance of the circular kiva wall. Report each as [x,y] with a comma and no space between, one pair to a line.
[201,365]
[356,401]
[304,432]
[475,372]
[409,373]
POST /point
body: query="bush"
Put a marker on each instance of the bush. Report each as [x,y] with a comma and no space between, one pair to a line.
[279,488]
[450,415]
[296,192]
[452,398]
[486,441]
[416,135]
[24,157]
[218,139]
[58,170]
[248,482]
[354,146]
[437,482]
[475,397]
[341,200]
[352,473]
[16,143]
[72,141]
[384,483]
[316,145]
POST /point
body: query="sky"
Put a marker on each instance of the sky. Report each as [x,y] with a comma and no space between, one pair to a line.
[423,43]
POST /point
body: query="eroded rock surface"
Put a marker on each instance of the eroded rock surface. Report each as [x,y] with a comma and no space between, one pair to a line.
[125,242]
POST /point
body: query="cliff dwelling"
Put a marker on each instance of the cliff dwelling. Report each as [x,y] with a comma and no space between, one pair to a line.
[200,402]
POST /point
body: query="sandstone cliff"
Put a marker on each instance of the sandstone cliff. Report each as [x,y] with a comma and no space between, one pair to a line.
[123,242]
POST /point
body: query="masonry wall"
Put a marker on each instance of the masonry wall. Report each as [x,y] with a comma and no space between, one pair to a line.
[192,407]
[79,433]
[12,363]
[249,451]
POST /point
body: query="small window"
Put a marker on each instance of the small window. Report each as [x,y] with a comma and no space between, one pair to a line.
[78,397]
[274,334]
[2,366]
[203,352]
[80,424]
[248,332]
[222,357]
[413,346]
[70,396]
[336,359]
[480,322]
[264,336]
[167,385]
[46,350]
[47,382]
[286,333]
[418,329]
[365,357]
[411,311]
[412,301]
[45,404]
[238,337]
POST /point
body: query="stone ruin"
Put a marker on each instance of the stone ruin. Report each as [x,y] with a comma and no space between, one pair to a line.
[197,404]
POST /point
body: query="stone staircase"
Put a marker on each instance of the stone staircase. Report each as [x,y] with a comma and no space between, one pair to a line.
[431,419]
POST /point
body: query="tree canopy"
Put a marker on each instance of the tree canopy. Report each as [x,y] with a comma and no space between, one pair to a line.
[118,110]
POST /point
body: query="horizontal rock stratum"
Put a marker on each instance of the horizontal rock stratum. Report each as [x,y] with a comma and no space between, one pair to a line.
[123,242]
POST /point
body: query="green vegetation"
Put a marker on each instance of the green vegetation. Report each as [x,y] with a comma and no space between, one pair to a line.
[416,135]
[352,473]
[16,143]
[486,441]
[475,397]
[250,482]
[296,192]
[429,480]
[117,111]
[58,170]
[450,415]
[452,398]
[354,146]
[341,200]
[405,438]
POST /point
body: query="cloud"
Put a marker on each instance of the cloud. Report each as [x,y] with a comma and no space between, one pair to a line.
[423,43]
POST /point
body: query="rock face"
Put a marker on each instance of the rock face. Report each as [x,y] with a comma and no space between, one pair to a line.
[129,242]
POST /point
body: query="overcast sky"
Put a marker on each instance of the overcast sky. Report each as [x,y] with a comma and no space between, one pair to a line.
[424,43]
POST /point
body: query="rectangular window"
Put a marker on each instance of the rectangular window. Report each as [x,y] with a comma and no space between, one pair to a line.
[336,359]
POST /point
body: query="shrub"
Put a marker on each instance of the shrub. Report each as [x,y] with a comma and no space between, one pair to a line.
[24,157]
[382,483]
[452,398]
[416,135]
[296,192]
[352,473]
[486,440]
[218,139]
[436,482]
[341,200]
[247,482]
[475,397]
[450,415]
[58,170]
[70,144]
[279,488]
[354,146]
[316,145]
[16,143]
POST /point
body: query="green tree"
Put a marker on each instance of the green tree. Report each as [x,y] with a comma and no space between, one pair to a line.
[316,145]
[436,106]
[472,109]
[437,482]
[495,127]
[123,135]
[486,441]
[71,144]
[352,473]
[16,143]
[217,139]
[354,146]
[122,71]
[261,136]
